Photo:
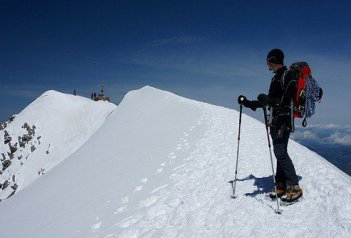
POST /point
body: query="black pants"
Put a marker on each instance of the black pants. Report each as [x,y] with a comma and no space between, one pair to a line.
[285,168]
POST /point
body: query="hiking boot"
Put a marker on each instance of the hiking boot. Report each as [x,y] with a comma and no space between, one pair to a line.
[281,189]
[293,193]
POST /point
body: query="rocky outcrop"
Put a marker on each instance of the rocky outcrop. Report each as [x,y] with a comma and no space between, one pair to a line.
[5,185]
[3,126]
[7,138]
[6,164]
[12,118]
[27,142]
[13,148]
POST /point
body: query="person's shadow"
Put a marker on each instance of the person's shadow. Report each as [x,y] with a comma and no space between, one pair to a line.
[264,184]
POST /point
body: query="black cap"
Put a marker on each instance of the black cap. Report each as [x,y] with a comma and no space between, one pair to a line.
[276,56]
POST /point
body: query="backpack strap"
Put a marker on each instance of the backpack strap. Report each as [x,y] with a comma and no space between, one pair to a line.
[287,86]
[282,79]
[292,119]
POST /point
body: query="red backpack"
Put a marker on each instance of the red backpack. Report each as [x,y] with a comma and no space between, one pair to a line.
[308,91]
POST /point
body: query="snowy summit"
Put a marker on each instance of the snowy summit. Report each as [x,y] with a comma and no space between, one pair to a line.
[44,134]
[159,166]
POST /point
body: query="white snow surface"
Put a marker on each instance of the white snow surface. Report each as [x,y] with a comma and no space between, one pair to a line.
[159,167]
[62,123]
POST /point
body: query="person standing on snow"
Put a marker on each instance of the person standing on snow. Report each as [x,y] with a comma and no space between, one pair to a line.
[281,92]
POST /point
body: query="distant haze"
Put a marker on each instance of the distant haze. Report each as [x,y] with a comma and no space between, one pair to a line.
[330,141]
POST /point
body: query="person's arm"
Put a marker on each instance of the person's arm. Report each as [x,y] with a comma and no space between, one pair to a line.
[266,100]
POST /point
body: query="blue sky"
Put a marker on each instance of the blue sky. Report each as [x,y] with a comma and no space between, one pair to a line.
[210,51]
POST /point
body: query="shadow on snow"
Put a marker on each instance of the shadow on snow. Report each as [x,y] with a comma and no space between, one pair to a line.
[264,184]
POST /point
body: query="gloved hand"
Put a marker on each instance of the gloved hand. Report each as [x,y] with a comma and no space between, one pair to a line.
[242,99]
[247,103]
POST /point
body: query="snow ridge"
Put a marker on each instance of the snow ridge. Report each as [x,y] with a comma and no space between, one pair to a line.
[44,134]
[159,167]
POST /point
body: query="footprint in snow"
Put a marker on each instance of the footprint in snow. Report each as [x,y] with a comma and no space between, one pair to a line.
[125,200]
[144,180]
[96,226]
[163,164]
[159,170]
[138,188]
[121,210]
[172,156]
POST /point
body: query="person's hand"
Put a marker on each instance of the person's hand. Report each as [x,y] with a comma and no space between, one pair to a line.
[242,99]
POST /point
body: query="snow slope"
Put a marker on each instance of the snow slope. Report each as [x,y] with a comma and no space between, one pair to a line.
[52,127]
[159,167]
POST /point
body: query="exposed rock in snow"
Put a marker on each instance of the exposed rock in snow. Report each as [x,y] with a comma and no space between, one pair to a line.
[6,164]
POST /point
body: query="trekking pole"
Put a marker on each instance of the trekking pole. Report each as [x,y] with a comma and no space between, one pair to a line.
[278,211]
[237,153]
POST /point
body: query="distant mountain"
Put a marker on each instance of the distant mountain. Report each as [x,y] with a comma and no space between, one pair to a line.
[159,166]
[44,134]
